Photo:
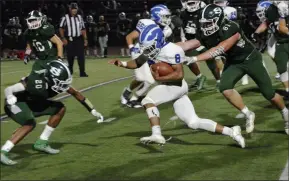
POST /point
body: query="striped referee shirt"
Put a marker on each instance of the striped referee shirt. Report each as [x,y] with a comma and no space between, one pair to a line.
[72,25]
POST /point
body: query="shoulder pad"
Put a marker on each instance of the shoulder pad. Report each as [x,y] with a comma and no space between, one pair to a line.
[142,23]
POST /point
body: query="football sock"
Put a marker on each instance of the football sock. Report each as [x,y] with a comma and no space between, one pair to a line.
[218,81]
[7,146]
[285,113]
[199,76]
[46,132]
[287,89]
[246,111]
[227,131]
[156,130]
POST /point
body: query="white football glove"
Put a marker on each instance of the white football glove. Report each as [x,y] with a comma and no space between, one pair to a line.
[190,30]
[98,115]
[11,100]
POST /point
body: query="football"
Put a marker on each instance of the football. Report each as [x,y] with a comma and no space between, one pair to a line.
[163,68]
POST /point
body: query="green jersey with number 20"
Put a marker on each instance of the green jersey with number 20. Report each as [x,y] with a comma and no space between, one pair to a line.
[39,39]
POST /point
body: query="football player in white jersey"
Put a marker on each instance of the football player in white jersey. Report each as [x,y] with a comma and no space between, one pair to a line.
[171,87]
[231,14]
[160,15]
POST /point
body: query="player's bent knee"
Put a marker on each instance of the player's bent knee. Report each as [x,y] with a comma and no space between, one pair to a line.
[30,122]
[269,94]
[227,92]
[152,112]
[147,100]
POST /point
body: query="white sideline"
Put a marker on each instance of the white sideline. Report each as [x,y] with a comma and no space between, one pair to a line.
[83,90]
[284,175]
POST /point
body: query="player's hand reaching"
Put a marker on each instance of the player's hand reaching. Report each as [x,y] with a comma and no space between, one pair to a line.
[155,73]
[117,63]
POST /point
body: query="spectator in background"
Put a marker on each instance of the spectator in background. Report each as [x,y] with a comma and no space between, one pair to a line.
[124,27]
[135,20]
[12,32]
[91,29]
[73,34]
[146,15]
[102,31]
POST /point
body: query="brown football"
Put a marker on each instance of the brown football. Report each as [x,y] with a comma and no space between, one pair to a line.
[163,68]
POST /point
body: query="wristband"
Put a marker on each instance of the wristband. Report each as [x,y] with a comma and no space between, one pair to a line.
[130,46]
[87,104]
[124,64]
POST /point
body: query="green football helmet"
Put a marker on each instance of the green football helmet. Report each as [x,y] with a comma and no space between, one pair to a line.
[212,16]
[35,20]
[58,76]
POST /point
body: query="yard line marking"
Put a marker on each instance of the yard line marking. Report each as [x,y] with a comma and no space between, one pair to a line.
[43,122]
[174,118]
[284,175]
[14,72]
[109,120]
[83,90]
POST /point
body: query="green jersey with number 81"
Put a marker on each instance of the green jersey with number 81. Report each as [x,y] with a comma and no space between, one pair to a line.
[39,40]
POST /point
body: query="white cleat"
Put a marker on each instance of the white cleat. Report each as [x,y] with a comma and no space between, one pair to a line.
[159,139]
[286,121]
[237,136]
[250,122]
[245,80]
[240,116]
[100,119]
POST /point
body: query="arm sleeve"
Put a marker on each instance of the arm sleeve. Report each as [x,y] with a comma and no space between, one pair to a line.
[18,87]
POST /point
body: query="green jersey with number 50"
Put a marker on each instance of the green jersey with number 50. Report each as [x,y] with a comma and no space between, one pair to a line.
[39,39]
[239,52]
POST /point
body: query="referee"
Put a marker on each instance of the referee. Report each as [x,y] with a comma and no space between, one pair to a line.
[73,34]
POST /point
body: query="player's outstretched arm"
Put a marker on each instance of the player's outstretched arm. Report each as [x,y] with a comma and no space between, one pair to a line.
[176,75]
[85,102]
[189,45]
[283,27]
[132,64]
[56,40]
[220,49]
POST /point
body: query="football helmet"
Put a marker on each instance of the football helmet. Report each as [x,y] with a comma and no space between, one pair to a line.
[151,41]
[192,5]
[12,21]
[122,16]
[222,3]
[89,19]
[211,19]
[34,20]
[58,76]
[261,9]
[146,15]
[161,15]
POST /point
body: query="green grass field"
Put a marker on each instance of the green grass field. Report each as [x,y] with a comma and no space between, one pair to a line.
[112,151]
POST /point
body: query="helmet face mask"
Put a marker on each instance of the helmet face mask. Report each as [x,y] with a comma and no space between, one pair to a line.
[34,20]
[191,5]
[212,17]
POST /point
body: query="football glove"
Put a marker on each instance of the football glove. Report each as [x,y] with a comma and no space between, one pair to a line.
[11,100]
[255,37]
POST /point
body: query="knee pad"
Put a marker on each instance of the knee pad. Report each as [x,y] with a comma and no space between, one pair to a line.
[147,100]
[284,77]
[153,112]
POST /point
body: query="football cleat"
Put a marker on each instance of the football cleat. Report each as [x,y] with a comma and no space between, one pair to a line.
[124,98]
[199,84]
[134,104]
[240,116]
[277,76]
[286,121]
[237,136]
[6,160]
[42,145]
[159,139]
[250,122]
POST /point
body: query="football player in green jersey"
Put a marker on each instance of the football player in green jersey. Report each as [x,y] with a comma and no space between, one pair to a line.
[30,98]
[225,37]
[269,15]
[41,38]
